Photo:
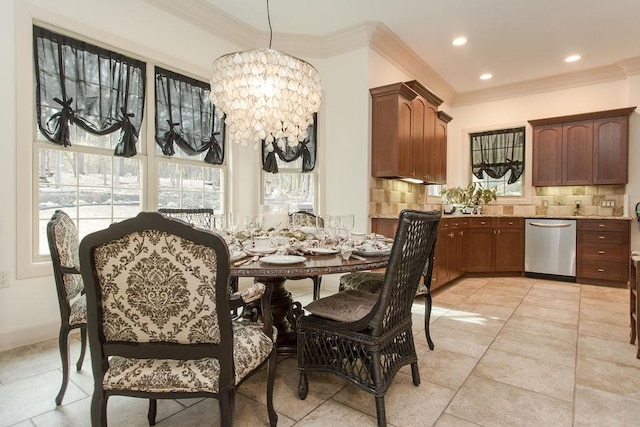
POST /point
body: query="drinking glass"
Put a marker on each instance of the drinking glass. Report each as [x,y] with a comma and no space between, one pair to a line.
[218,223]
[234,221]
[251,225]
[320,231]
[347,222]
[332,222]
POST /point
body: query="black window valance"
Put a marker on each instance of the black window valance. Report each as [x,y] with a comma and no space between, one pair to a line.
[306,148]
[498,152]
[94,88]
[186,117]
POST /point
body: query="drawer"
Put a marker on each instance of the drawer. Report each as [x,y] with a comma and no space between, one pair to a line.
[509,222]
[613,237]
[481,223]
[603,225]
[609,271]
[595,252]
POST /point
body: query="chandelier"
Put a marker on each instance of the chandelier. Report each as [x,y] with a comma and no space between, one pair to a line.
[266,95]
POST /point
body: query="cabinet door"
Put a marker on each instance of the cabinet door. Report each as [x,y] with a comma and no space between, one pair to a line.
[431,155]
[440,154]
[509,249]
[481,253]
[577,153]
[405,138]
[459,250]
[440,274]
[610,150]
[547,155]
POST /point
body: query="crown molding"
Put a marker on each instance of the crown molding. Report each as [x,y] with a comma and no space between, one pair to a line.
[546,84]
[631,66]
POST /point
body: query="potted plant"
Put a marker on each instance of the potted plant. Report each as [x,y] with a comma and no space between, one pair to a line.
[451,199]
[477,195]
[468,198]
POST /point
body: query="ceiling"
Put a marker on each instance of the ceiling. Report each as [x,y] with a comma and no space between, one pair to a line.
[517,41]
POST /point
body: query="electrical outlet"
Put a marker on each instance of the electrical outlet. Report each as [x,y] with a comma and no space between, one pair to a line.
[4,279]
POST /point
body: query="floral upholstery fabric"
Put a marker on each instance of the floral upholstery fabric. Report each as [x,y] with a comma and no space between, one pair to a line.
[251,348]
[370,282]
[67,242]
[78,314]
[253,292]
[156,286]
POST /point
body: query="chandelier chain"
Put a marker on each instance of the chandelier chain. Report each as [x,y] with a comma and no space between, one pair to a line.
[270,29]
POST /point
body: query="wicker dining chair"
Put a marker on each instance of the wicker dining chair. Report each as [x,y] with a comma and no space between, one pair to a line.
[366,338]
[159,320]
[307,219]
[63,247]
[371,281]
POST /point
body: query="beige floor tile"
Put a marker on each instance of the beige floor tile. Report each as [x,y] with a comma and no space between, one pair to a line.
[609,331]
[489,402]
[554,294]
[600,305]
[612,351]
[599,408]
[555,286]
[472,322]
[506,287]
[33,396]
[601,293]
[456,340]
[442,367]
[551,302]
[285,392]
[547,313]
[603,316]
[332,413]
[544,377]
[405,404]
[448,300]
[496,312]
[608,376]
[447,420]
[537,347]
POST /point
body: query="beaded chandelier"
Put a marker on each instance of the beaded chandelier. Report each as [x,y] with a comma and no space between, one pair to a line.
[266,95]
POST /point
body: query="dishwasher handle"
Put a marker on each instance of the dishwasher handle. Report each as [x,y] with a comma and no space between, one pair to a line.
[540,224]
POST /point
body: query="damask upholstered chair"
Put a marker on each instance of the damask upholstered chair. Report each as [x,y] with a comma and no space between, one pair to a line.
[159,318]
[371,281]
[63,247]
[307,219]
[366,338]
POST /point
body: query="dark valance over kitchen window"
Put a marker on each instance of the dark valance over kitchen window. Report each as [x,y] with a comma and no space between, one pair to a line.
[497,153]
[80,84]
[287,153]
[186,117]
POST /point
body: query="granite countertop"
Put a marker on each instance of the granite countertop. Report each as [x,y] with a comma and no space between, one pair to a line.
[624,218]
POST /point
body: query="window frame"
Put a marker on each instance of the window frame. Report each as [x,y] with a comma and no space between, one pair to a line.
[281,169]
[29,263]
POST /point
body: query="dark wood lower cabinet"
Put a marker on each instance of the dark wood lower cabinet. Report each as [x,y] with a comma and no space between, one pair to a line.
[495,245]
[603,249]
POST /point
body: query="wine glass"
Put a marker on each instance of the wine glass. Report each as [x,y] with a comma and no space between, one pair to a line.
[320,232]
[251,225]
[347,222]
[332,222]
[234,221]
[218,223]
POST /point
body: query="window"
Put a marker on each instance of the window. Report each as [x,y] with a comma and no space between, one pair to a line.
[92,157]
[497,160]
[288,176]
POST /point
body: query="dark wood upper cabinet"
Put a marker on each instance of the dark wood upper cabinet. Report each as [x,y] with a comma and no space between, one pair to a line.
[407,139]
[583,149]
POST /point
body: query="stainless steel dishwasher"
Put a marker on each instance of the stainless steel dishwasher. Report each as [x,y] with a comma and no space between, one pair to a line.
[550,249]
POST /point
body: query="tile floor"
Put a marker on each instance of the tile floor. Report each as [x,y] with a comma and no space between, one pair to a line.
[509,351]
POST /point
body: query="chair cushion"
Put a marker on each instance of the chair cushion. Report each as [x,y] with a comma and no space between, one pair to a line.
[251,348]
[370,282]
[366,281]
[78,315]
[347,306]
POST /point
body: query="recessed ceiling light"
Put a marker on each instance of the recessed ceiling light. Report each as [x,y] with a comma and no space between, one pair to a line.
[486,76]
[459,41]
[572,58]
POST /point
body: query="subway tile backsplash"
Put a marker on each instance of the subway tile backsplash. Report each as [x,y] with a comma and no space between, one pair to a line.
[388,197]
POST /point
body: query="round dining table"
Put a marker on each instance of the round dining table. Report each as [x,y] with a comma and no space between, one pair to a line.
[284,310]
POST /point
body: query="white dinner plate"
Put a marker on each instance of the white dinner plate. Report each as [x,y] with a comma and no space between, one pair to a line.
[283,259]
[323,251]
[235,256]
[254,251]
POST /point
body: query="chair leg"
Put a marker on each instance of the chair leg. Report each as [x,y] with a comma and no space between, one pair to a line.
[227,404]
[380,412]
[428,303]
[317,281]
[83,347]
[153,410]
[415,374]
[64,355]
[98,409]
[303,386]
[271,378]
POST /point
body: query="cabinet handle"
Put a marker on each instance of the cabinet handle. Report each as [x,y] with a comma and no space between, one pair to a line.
[600,270]
[455,224]
[600,252]
[461,233]
[601,225]
[601,237]
[510,222]
[451,235]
